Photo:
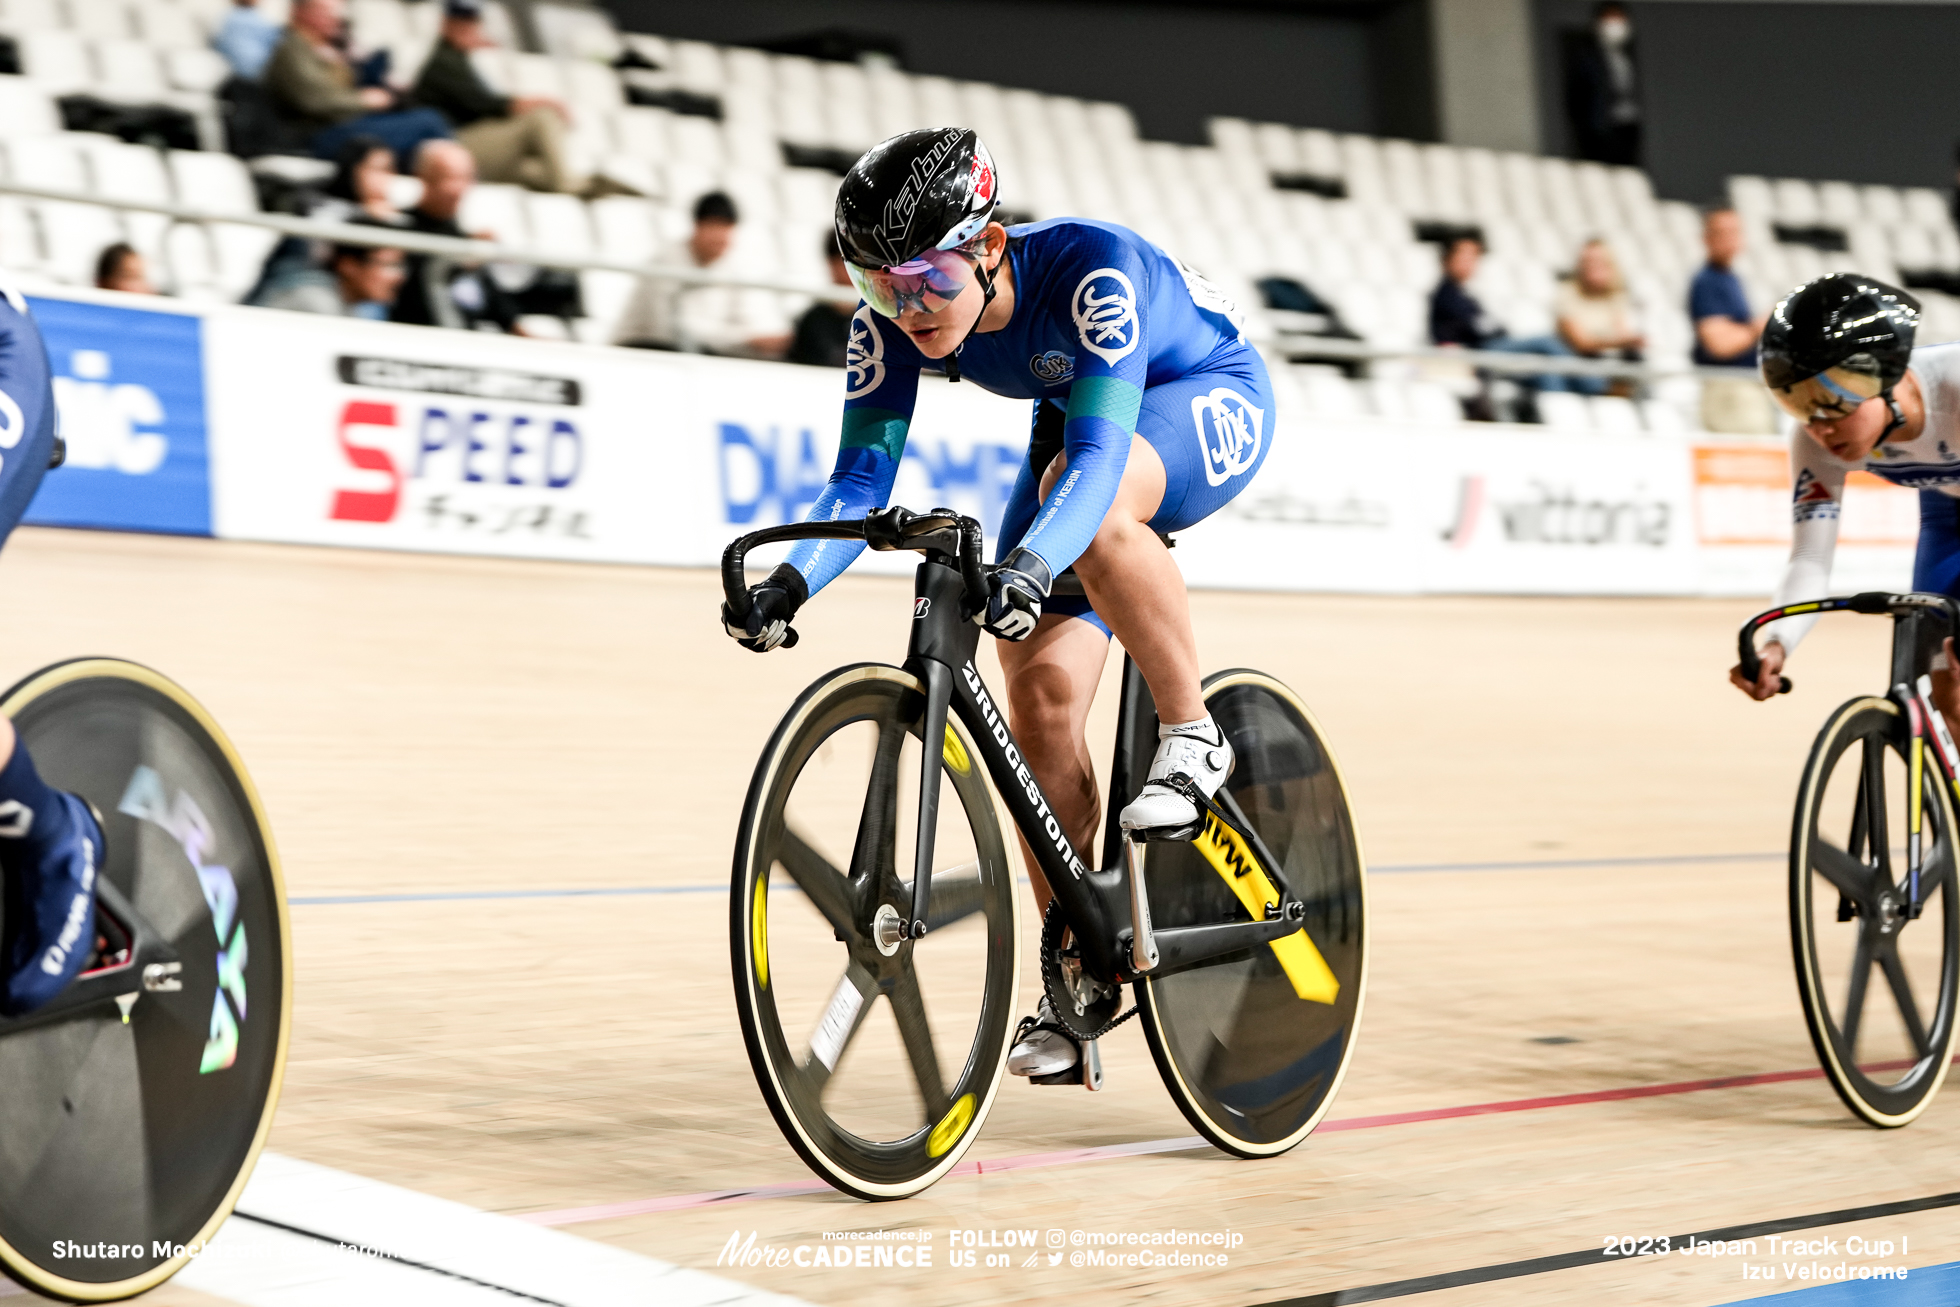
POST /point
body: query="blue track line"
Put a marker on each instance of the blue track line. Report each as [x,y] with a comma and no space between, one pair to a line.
[461,896]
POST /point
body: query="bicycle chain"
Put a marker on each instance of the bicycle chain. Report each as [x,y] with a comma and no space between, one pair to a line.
[1087,1024]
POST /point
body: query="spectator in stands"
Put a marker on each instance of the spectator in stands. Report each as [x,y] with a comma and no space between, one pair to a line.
[437,291]
[713,319]
[361,188]
[360,281]
[313,84]
[517,139]
[246,38]
[1602,96]
[1595,315]
[1726,333]
[122,268]
[1456,319]
[822,336]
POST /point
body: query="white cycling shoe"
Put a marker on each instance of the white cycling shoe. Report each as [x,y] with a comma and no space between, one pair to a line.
[1041,1050]
[1196,750]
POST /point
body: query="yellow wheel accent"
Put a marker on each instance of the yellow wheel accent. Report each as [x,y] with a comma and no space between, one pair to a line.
[950,1127]
[759,930]
[956,757]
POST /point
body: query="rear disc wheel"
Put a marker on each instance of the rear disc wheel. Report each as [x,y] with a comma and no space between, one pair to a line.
[137,1130]
[1252,1064]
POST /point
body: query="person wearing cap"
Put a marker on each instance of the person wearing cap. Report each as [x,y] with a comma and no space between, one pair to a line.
[514,138]
[1838,356]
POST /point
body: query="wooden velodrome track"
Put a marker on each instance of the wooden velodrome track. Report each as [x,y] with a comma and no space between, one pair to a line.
[1575,827]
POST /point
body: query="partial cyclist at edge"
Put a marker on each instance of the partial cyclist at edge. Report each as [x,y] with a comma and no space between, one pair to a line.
[1151,412]
[1837,355]
[50,843]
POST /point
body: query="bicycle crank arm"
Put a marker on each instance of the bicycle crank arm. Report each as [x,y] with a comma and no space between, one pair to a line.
[1143,947]
[1179,946]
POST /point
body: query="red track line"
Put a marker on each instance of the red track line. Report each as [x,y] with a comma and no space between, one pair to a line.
[1068,1157]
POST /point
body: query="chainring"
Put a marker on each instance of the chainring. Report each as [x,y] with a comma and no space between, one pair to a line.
[1081,1002]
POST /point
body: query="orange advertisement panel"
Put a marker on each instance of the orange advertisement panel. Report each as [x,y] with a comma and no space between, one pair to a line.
[1742,497]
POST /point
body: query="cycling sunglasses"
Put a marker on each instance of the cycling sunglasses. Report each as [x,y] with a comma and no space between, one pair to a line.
[928,283]
[1826,397]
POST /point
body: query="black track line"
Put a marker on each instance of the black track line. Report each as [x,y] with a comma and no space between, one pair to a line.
[1594,1256]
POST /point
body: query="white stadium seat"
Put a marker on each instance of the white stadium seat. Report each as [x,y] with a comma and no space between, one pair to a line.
[1562,410]
[170,26]
[130,71]
[217,183]
[100,20]
[497,209]
[57,61]
[195,69]
[558,225]
[23,16]
[26,109]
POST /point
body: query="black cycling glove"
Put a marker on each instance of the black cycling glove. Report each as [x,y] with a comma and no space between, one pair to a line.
[1016,588]
[773,601]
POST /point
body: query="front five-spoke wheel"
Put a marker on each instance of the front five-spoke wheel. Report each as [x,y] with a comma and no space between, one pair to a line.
[878,1054]
[1877,957]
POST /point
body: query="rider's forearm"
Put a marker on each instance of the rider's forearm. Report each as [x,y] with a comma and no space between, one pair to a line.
[1806,576]
[1102,414]
[860,484]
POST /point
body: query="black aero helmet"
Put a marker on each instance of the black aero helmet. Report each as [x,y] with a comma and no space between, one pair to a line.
[931,189]
[1836,342]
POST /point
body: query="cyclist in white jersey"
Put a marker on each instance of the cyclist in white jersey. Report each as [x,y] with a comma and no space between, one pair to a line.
[1838,356]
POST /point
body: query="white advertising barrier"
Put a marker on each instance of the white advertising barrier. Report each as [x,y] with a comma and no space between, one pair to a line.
[329,431]
[1362,506]
[332,432]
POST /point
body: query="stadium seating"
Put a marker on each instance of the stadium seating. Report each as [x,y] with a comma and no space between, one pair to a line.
[1345,214]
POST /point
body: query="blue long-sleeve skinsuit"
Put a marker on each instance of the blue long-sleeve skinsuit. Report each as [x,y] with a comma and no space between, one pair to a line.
[1109,329]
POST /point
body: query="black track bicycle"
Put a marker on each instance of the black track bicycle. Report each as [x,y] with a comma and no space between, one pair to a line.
[137,1101]
[870,865]
[1874,907]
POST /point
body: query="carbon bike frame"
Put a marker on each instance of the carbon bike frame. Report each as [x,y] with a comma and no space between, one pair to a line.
[1101,906]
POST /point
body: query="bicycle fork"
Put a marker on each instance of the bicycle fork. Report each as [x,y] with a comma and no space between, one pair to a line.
[1926,719]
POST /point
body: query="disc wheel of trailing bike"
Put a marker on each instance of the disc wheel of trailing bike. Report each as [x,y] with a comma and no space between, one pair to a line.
[130,1124]
[1252,1064]
[1877,981]
[879,1056]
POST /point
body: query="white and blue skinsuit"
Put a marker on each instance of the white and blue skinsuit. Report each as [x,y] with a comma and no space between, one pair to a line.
[1106,328]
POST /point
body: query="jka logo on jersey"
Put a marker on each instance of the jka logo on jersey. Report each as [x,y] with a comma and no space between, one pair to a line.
[1104,307]
[1230,431]
[1052,367]
[864,361]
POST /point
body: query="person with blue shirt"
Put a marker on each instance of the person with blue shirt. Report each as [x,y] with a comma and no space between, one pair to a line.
[1726,332]
[1150,413]
[246,38]
[50,842]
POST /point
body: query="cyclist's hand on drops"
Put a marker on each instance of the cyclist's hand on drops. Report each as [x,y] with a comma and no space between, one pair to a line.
[1016,589]
[1768,681]
[773,601]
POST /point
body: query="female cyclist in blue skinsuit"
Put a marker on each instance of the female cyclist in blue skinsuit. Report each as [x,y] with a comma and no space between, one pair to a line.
[50,844]
[1150,412]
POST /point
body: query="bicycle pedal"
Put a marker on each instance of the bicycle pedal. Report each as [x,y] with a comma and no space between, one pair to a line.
[1086,1072]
